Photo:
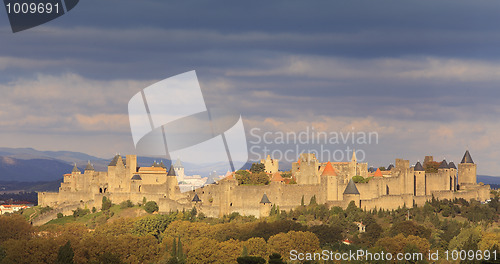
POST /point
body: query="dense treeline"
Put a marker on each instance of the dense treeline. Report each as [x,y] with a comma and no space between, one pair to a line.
[190,237]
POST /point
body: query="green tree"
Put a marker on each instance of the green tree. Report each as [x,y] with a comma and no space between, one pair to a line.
[276,258]
[358,179]
[79,212]
[250,260]
[410,228]
[244,252]
[467,239]
[177,255]
[193,212]
[151,207]
[173,254]
[151,225]
[243,177]
[3,254]
[327,234]
[180,252]
[257,167]
[14,227]
[107,258]
[66,254]
[126,204]
[106,203]
[313,200]
[259,178]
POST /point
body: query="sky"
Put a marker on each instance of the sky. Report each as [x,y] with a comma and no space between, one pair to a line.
[422,75]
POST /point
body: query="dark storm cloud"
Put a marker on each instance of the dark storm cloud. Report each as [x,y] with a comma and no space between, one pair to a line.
[409,69]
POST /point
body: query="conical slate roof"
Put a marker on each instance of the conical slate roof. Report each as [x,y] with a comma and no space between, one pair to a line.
[329,170]
[418,167]
[390,167]
[467,158]
[171,172]
[114,161]
[351,188]
[196,198]
[162,165]
[178,164]
[137,177]
[89,167]
[451,165]
[210,180]
[264,199]
[443,165]
[75,169]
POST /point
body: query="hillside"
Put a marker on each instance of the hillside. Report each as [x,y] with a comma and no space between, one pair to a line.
[12,169]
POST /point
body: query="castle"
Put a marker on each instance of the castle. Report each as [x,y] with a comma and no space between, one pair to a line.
[330,182]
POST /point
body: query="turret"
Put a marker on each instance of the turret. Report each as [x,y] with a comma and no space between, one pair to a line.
[444,182]
[351,193]
[265,206]
[466,171]
[89,167]
[179,170]
[75,170]
[331,180]
[171,183]
[419,180]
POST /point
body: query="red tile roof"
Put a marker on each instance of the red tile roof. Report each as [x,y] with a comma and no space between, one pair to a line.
[277,177]
[329,170]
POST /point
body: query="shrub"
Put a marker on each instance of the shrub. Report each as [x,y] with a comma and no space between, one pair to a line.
[250,260]
[151,207]
[60,215]
[106,203]
[80,212]
[45,209]
[126,204]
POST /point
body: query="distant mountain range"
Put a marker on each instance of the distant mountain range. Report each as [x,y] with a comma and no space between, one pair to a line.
[488,179]
[31,165]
